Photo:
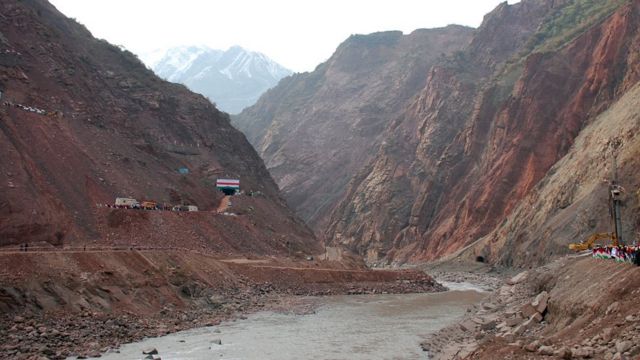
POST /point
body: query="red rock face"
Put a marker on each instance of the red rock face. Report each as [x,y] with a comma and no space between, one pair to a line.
[316,130]
[111,128]
[472,146]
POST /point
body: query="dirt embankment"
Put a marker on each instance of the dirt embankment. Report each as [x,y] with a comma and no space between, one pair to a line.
[576,307]
[57,304]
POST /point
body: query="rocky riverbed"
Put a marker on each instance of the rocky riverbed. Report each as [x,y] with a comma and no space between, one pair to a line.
[57,335]
[381,326]
[572,308]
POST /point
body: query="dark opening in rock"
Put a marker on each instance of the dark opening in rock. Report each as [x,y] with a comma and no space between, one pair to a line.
[480,258]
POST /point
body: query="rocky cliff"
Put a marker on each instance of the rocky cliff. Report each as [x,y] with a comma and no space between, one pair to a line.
[478,131]
[316,130]
[82,122]
[489,125]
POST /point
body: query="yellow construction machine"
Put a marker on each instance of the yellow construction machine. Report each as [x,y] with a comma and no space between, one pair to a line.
[615,201]
[588,244]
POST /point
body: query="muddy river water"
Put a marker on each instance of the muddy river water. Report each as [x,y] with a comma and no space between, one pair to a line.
[342,327]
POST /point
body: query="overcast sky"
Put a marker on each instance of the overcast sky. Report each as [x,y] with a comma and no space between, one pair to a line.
[295,33]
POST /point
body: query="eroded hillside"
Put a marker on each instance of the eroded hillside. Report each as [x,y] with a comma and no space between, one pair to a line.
[489,125]
[316,130]
[82,122]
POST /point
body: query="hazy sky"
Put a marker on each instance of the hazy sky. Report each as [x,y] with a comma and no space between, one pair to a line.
[297,34]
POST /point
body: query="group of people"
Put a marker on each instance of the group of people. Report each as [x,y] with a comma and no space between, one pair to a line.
[623,254]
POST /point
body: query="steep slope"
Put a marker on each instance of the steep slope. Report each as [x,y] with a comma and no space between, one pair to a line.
[316,130]
[82,121]
[233,79]
[490,123]
[571,201]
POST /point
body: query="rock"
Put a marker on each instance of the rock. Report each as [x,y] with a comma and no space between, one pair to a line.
[623,346]
[511,322]
[528,310]
[613,308]
[533,346]
[505,290]
[519,330]
[607,334]
[467,325]
[536,317]
[150,351]
[509,337]
[518,278]
[18,319]
[630,318]
[488,306]
[546,350]
[488,325]
[540,302]
[563,353]
[584,352]
[216,341]
[617,356]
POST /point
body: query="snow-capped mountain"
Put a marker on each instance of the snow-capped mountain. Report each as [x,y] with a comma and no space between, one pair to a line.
[233,79]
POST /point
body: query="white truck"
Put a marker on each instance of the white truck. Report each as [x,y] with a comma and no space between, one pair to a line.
[127,202]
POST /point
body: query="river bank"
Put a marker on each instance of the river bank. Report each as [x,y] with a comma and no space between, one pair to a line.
[56,305]
[386,326]
[572,308]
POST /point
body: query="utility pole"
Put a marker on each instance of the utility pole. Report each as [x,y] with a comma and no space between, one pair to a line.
[615,193]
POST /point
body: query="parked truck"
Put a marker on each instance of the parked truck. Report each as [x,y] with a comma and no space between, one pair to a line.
[127,203]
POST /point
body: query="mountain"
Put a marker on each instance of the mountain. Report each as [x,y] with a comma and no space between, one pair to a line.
[233,79]
[470,161]
[316,130]
[83,122]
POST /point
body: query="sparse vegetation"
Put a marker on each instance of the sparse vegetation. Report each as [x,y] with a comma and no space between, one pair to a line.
[570,21]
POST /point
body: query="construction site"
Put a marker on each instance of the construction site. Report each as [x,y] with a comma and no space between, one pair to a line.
[443,193]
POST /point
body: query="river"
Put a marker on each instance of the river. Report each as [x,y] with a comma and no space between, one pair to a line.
[342,327]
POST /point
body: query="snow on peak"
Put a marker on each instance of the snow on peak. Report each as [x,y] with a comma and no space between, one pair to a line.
[217,73]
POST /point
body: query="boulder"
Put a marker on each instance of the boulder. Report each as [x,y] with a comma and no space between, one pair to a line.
[150,351]
[468,325]
[518,278]
[505,291]
[512,321]
[563,353]
[509,336]
[584,352]
[488,306]
[519,330]
[623,346]
[540,302]
[613,308]
[488,325]
[545,350]
[536,317]
[607,334]
[533,346]
[216,341]
[528,310]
